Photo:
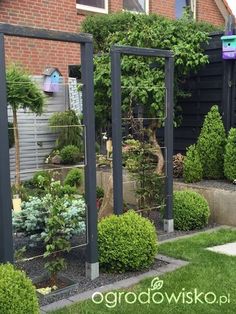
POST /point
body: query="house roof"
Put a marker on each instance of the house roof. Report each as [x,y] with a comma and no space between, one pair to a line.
[228,7]
[49,71]
[224,8]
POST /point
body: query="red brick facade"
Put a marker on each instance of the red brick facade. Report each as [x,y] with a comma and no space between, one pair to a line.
[62,15]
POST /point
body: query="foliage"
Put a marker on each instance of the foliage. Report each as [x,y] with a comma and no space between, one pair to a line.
[193,171]
[143,77]
[11,135]
[22,91]
[99,192]
[140,163]
[126,242]
[68,127]
[41,179]
[17,293]
[74,177]
[70,154]
[211,145]
[33,218]
[178,164]
[230,156]
[56,238]
[191,210]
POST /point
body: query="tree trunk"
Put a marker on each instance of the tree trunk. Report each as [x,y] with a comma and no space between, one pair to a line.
[107,203]
[157,149]
[17,150]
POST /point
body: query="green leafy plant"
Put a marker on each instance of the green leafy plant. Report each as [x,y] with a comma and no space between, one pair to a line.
[191,210]
[74,178]
[22,93]
[17,293]
[56,239]
[126,242]
[70,154]
[99,192]
[211,145]
[32,219]
[68,127]
[230,156]
[41,179]
[140,162]
[143,77]
[193,171]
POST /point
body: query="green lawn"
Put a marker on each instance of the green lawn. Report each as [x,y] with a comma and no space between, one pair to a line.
[207,272]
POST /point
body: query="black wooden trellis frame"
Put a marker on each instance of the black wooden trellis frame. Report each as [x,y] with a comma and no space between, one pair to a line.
[116,53]
[86,44]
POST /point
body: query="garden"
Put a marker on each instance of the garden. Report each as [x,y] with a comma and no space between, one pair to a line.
[51,213]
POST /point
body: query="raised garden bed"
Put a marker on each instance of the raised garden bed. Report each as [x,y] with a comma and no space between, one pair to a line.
[221,197]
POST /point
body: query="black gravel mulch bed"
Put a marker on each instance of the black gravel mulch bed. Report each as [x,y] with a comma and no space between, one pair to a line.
[76,271]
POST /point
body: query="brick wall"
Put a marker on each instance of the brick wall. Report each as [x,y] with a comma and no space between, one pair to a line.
[207,10]
[62,15]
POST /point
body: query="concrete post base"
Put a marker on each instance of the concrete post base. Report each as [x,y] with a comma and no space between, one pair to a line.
[169,225]
[92,270]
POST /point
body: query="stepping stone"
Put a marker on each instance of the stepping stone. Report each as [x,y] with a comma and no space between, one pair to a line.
[227,249]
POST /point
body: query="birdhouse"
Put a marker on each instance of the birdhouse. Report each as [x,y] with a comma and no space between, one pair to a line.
[51,80]
[229,47]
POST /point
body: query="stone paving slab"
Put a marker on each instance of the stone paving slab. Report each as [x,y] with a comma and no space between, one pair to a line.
[172,265]
[227,249]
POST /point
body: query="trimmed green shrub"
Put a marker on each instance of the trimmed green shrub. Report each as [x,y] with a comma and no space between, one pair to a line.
[126,243]
[70,154]
[211,145]
[192,166]
[230,156]
[191,210]
[41,179]
[17,293]
[74,177]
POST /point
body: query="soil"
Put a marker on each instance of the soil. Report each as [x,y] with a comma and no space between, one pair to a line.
[75,271]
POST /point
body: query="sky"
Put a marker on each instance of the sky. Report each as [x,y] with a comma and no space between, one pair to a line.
[232,4]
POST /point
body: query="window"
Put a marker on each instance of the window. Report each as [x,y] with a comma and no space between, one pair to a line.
[140,6]
[180,5]
[100,6]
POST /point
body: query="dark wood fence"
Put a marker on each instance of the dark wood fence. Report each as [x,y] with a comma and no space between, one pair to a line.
[214,84]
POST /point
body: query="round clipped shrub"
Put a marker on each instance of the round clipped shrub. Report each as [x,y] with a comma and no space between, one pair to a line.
[70,154]
[74,177]
[191,210]
[192,166]
[126,243]
[17,293]
[211,145]
[230,156]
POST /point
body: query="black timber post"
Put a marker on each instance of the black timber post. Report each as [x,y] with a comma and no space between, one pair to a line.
[117,131]
[6,236]
[92,266]
[168,132]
